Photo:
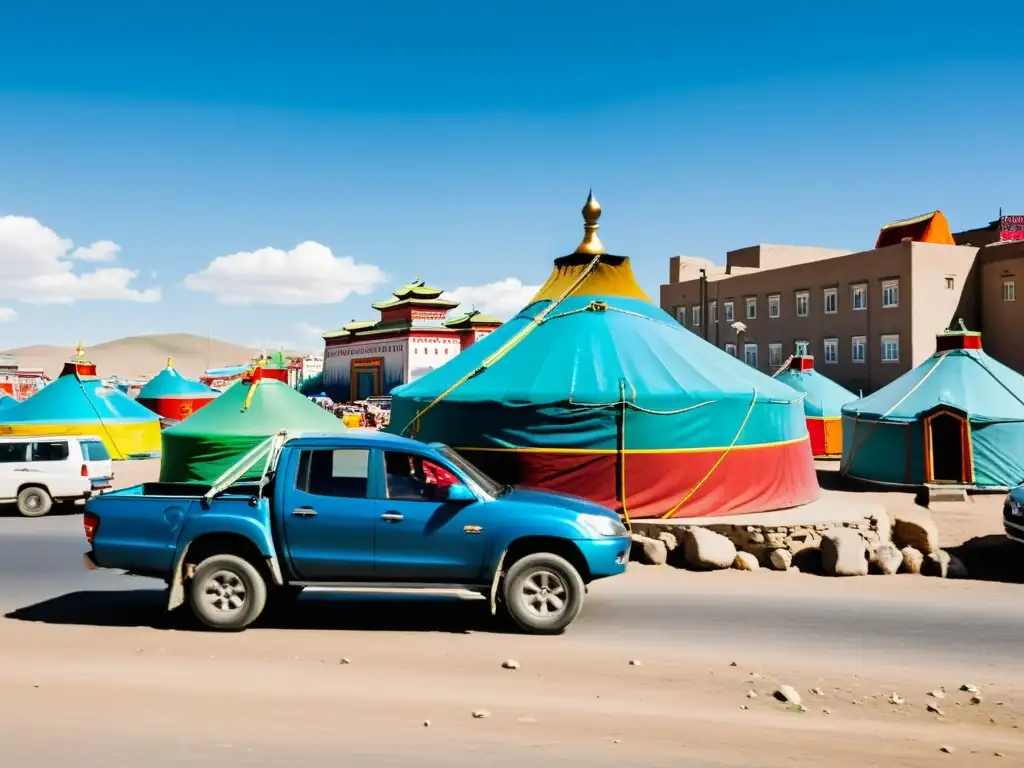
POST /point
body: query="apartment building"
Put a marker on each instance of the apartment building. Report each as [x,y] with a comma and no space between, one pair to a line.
[867,317]
[1000,311]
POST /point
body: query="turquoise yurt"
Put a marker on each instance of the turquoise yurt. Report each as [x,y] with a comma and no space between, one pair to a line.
[7,402]
[957,418]
[78,403]
[174,397]
[595,391]
[823,404]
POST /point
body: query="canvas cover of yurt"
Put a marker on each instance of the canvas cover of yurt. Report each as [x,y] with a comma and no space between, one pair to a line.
[174,397]
[200,448]
[823,404]
[956,418]
[6,401]
[595,391]
[77,403]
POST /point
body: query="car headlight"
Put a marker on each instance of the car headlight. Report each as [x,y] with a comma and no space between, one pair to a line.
[600,525]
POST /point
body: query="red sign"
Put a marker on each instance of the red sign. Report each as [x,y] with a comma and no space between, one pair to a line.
[1011,228]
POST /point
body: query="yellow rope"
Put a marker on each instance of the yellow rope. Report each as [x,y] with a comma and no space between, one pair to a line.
[509,345]
[697,487]
[846,465]
[622,458]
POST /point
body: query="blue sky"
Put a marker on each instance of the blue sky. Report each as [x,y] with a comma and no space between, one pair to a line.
[457,141]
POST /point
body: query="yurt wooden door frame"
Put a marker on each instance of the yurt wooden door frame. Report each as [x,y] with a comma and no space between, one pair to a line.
[935,426]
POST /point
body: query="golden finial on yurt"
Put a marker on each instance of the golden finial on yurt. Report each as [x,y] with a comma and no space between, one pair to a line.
[170,363]
[80,350]
[591,243]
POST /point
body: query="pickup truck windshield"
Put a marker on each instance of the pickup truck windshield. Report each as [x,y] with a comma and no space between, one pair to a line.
[490,486]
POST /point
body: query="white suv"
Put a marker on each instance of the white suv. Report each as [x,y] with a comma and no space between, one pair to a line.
[37,471]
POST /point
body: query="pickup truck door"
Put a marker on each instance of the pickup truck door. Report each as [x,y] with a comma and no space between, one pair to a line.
[328,516]
[421,536]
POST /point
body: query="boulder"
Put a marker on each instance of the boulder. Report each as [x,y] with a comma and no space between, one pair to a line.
[843,553]
[781,559]
[706,549]
[915,528]
[957,569]
[649,551]
[886,559]
[913,560]
[745,562]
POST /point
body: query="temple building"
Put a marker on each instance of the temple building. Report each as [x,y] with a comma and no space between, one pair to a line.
[413,336]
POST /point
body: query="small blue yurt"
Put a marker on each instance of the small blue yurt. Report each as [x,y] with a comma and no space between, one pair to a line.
[823,404]
[956,419]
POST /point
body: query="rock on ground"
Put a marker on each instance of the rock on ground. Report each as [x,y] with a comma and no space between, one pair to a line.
[913,560]
[788,694]
[843,553]
[887,559]
[745,562]
[648,550]
[781,559]
[669,539]
[706,549]
[915,528]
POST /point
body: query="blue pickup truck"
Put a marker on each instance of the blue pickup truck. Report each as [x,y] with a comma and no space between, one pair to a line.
[361,511]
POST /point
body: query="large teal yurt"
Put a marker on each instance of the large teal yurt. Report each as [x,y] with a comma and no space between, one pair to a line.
[7,402]
[80,404]
[823,404]
[957,418]
[593,390]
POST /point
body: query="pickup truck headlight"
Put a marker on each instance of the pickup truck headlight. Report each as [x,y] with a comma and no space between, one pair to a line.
[599,525]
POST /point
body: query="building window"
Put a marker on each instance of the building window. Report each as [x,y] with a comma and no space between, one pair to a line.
[1009,290]
[713,312]
[681,315]
[859,297]
[774,303]
[831,301]
[831,350]
[891,348]
[696,316]
[803,348]
[891,293]
[751,307]
[950,283]
[859,349]
[731,349]
[728,312]
[803,301]
[750,355]
[774,355]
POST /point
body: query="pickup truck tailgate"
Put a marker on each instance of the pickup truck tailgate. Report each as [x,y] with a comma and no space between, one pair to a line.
[135,532]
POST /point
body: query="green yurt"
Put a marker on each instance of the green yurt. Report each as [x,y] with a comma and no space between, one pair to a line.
[202,447]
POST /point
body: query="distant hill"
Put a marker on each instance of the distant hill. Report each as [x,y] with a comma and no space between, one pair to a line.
[137,356]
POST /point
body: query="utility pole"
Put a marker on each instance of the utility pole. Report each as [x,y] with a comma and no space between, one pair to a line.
[705,318]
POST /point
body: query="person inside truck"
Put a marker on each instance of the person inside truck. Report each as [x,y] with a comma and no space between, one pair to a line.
[411,477]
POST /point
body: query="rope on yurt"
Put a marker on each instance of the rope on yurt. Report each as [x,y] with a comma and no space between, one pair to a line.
[784,367]
[509,345]
[717,464]
[622,454]
[853,451]
[98,416]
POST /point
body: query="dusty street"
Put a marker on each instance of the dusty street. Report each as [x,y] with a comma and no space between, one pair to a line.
[89,675]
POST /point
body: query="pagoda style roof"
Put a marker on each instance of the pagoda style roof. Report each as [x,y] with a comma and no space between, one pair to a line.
[419,293]
[473,317]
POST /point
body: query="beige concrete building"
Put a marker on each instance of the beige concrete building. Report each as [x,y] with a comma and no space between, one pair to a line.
[867,317]
[1000,312]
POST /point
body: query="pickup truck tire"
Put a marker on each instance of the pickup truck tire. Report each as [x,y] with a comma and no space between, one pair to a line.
[543,593]
[34,502]
[227,593]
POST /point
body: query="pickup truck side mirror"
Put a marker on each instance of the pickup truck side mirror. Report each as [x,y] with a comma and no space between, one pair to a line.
[460,492]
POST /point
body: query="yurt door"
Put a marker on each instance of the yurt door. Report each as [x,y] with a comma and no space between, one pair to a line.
[948,452]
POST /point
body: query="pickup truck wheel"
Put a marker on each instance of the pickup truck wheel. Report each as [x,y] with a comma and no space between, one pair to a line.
[34,502]
[227,593]
[543,593]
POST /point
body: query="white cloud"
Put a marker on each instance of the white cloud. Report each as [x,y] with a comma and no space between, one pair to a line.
[502,298]
[7,315]
[37,267]
[307,274]
[101,250]
[310,330]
